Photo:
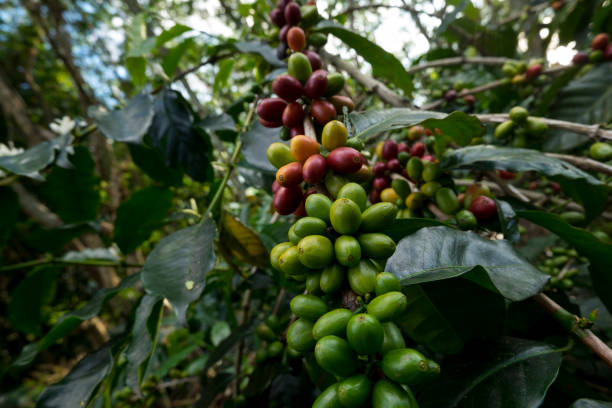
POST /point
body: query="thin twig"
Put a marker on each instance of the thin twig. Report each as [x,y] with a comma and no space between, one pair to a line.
[447,62]
[583,162]
[507,188]
[279,300]
[246,301]
[571,323]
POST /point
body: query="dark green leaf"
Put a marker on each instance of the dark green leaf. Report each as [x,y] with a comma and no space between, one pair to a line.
[508,221]
[222,77]
[256,47]
[76,389]
[586,244]
[228,343]
[73,193]
[151,161]
[458,126]
[9,208]
[174,133]
[30,162]
[171,61]
[173,32]
[450,17]
[144,338]
[72,320]
[178,265]
[137,66]
[29,297]
[255,143]
[405,226]
[513,373]
[129,124]
[590,403]
[437,253]
[384,64]
[140,215]
[215,123]
[579,185]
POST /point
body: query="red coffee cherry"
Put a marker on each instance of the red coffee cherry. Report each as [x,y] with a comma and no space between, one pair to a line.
[281,4]
[374,196]
[580,58]
[275,186]
[394,165]
[297,130]
[344,160]
[293,15]
[403,147]
[340,100]
[316,85]
[293,115]
[469,99]
[269,124]
[296,39]
[271,109]
[314,59]
[278,17]
[600,42]
[287,199]
[450,95]
[314,169]
[506,175]
[379,169]
[389,150]
[429,158]
[483,208]
[282,34]
[533,71]
[417,149]
[290,174]
[428,132]
[380,183]
[287,88]
[322,111]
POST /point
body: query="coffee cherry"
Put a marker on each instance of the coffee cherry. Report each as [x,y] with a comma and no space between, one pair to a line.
[271,109]
[293,114]
[335,83]
[278,154]
[379,169]
[302,147]
[416,132]
[282,34]
[596,56]
[483,208]
[293,14]
[322,111]
[296,39]
[339,101]
[518,114]
[334,135]
[450,95]
[380,183]
[580,58]
[374,196]
[429,158]
[278,17]
[394,166]
[281,4]
[389,150]
[417,150]
[469,99]
[506,175]
[315,60]
[290,174]
[269,124]
[296,130]
[533,71]
[316,85]
[287,199]
[600,42]
[299,67]
[275,187]
[314,169]
[344,160]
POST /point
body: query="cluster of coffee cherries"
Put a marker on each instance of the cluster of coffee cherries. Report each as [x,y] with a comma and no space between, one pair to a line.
[520,125]
[519,72]
[325,167]
[601,50]
[291,20]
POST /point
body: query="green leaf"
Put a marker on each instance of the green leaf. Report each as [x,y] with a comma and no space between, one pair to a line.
[255,143]
[423,323]
[590,403]
[30,162]
[73,193]
[177,267]
[129,124]
[173,32]
[152,162]
[30,296]
[405,226]
[77,388]
[222,77]
[586,244]
[183,144]
[579,185]
[144,338]
[384,64]
[137,66]
[72,320]
[140,215]
[457,126]
[513,373]
[9,208]
[214,123]
[241,242]
[172,59]
[264,50]
[91,254]
[218,332]
[450,17]
[437,253]
[508,221]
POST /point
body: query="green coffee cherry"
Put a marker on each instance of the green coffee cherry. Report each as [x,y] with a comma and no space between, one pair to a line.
[289,262]
[354,391]
[318,206]
[601,151]
[378,217]
[335,83]
[335,356]
[518,114]
[355,193]
[447,201]
[388,306]
[308,307]
[299,336]
[504,129]
[345,216]
[331,278]
[401,187]
[347,250]
[332,323]
[386,282]
[431,171]
[362,277]
[376,245]
[393,338]
[313,283]
[536,127]
[365,334]
[309,226]
[405,366]
[315,251]
[466,220]
[299,67]
[276,252]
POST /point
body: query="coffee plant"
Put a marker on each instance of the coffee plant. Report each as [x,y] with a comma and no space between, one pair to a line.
[249,219]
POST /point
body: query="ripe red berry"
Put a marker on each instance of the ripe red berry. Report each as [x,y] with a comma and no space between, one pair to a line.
[608,53]
[314,169]
[403,147]
[282,34]
[394,165]
[379,169]
[287,199]
[275,186]
[293,115]
[344,160]
[450,95]
[555,186]
[533,71]
[374,196]
[506,175]
[314,59]
[389,150]
[580,58]
[600,42]
[533,185]
[429,158]
[483,208]
[417,149]
[322,111]
[469,99]
[271,109]
[293,15]
[296,39]
[278,17]
[290,174]
[287,88]
[316,85]
[380,183]
[269,124]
